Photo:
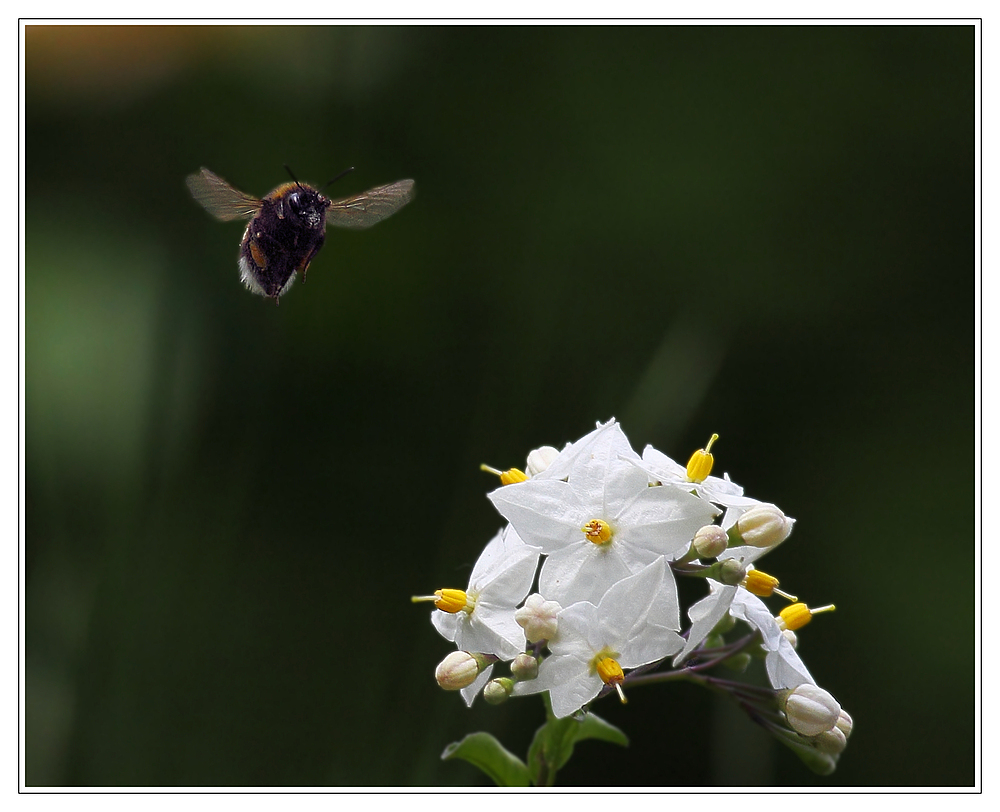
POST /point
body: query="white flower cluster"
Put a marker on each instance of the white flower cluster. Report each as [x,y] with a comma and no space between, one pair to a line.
[611,529]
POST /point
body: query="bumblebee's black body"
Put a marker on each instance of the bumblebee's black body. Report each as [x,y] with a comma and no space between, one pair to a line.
[283,238]
[288,227]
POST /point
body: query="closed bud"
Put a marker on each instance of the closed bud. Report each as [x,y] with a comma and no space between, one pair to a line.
[497,691]
[540,459]
[460,668]
[738,662]
[810,710]
[710,541]
[538,618]
[524,667]
[732,572]
[845,723]
[763,526]
[832,741]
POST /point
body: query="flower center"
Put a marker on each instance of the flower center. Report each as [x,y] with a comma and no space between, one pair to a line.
[598,531]
[610,672]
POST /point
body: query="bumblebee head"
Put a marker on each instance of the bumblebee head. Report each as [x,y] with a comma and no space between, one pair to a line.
[307,206]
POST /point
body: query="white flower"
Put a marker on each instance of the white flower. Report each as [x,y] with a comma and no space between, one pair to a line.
[501,578]
[666,471]
[602,525]
[785,668]
[595,643]
[706,613]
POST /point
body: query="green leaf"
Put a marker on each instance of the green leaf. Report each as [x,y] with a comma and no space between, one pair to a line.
[483,750]
[554,742]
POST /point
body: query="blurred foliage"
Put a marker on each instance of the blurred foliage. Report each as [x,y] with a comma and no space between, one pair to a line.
[766,232]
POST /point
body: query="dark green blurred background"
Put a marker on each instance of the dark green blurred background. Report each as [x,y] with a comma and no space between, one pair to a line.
[765,232]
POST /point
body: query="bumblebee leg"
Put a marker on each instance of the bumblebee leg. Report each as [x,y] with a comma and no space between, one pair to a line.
[304,265]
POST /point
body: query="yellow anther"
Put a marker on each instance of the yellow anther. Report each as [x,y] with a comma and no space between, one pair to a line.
[798,615]
[763,585]
[597,531]
[508,477]
[453,601]
[611,673]
[700,464]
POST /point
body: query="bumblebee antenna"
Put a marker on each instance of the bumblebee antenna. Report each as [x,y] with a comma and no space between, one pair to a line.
[338,177]
[288,169]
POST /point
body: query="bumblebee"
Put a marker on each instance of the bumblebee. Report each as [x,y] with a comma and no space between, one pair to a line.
[288,226]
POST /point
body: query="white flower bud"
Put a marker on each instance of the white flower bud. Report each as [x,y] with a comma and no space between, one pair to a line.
[524,667]
[732,571]
[710,541]
[764,526]
[845,723]
[538,618]
[810,709]
[497,691]
[540,459]
[832,741]
[459,670]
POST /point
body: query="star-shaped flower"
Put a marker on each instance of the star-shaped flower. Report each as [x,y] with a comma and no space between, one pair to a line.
[595,643]
[481,617]
[601,524]
[785,668]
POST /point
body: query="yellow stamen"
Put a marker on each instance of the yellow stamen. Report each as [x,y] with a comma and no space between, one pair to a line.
[798,615]
[597,531]
[763,585]
[700,464]
[611,673]
[453,601]
[508,477]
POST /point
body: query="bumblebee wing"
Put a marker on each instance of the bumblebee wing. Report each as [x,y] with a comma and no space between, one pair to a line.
[370,207]
[219,198]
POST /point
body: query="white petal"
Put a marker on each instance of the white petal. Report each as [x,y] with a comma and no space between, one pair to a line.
[488,632]
[562,465]
[784,667]
[545,513]
[753,610]
[705,615]
[625,606]
[508,583]
[605,477]
[470,692]
[503,548]
[446,623]
[662,520]
[581,572]
[568,681]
